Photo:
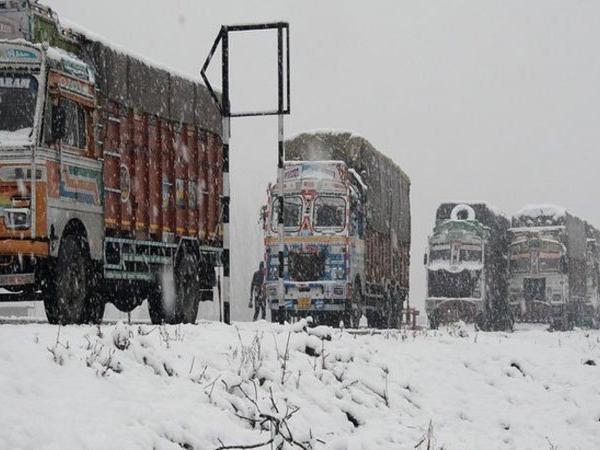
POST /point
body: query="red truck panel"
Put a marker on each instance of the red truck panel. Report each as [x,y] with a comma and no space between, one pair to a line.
[154,179]
[125,172]
[180,179]
[140,169]
[214,182]
[112,200]
[192,175]
[170,177]
[168,182]
[203,186]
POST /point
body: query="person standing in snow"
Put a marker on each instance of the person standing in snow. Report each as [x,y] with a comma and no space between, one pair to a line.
[257,292]
[397,300]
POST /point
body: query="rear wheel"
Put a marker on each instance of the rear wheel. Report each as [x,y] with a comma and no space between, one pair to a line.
[94,309]
[69,289]
[187,285]
[175,298]
[434,321]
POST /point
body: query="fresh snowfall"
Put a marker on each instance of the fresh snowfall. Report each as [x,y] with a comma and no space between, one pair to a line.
[263,385]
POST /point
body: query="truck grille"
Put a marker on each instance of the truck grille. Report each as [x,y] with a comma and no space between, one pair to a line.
[306,266]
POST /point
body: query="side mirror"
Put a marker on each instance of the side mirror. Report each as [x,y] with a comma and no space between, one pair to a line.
[425,259]
[58,123]
[263,216]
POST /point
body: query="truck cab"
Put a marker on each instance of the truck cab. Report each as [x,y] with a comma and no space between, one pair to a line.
[539,280]
[46,95]
[454,262]
[322,230]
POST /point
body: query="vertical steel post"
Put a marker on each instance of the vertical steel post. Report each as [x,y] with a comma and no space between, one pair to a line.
[280,175]
[224,105]
[225,200]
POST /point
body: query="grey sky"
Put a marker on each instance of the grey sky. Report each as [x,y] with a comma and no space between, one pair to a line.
[475,100]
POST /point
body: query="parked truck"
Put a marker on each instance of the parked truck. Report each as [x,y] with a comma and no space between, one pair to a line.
[346,232]
[110,176]
[554,268]
[466,267]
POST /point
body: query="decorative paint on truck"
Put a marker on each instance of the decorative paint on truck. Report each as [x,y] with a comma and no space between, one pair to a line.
[110,176]
[346,231]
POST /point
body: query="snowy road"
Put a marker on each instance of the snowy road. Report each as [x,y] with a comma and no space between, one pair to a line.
[206,387]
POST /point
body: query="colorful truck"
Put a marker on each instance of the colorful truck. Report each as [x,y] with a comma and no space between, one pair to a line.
[346,232]
[466,267]
[111,176]
[554,268]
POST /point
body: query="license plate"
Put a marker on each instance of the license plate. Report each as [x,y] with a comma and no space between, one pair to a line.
[304,303]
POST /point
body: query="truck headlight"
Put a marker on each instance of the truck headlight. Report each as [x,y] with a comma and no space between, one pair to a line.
[17,218]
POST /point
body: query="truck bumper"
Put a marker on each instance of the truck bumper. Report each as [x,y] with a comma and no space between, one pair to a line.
[448,310]
[20,263]
[311,296]
[319,304]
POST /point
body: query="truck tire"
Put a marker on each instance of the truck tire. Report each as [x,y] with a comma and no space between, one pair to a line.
[187,285]
[161,298]
[175,298]
[94,309]
[433,320]
[65,302]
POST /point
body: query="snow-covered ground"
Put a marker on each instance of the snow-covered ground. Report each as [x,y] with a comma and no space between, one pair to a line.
[214,386]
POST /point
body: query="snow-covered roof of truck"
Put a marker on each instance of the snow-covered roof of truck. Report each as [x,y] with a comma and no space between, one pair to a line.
[77,29]
[543,210]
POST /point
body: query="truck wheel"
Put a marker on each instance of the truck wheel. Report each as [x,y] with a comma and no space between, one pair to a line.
[187,285]
[175,298]
[433,321]
[66,299]
[162,305]
[94,309]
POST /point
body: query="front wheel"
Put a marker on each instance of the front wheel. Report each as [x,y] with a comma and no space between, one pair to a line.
[68,293]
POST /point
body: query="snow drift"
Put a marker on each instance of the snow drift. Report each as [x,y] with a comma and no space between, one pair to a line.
[214,386]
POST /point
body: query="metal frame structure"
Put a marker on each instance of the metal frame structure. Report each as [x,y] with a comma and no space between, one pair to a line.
[224,104]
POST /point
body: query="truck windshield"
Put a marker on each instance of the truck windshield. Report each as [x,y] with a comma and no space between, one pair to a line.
[329,212]
[18,94]
[440,252]
[471,253]
[550,253]
[520,259]
[292,213]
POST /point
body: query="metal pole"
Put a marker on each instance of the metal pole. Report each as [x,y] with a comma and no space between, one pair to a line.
[225,201]
[280,175]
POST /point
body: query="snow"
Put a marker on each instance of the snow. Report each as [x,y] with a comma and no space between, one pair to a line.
[493,208]
[92,36]
[195,386]
[18,138]
[329,131]
[59,54]
[546,210]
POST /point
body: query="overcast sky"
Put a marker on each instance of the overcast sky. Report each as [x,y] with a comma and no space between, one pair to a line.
[496,101]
